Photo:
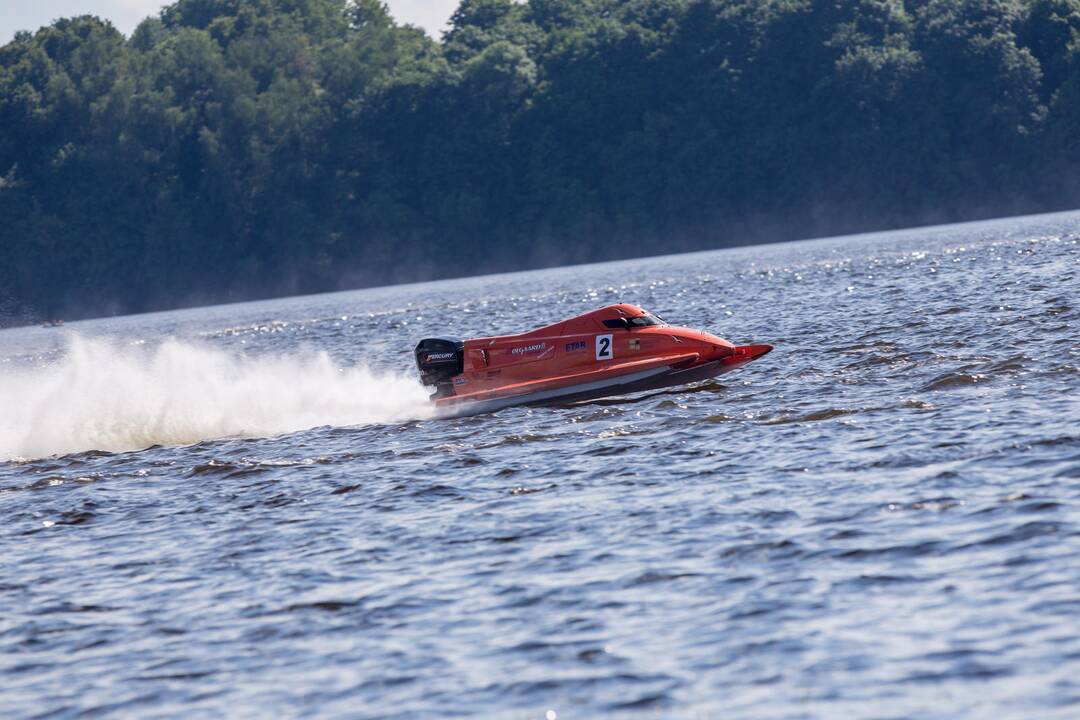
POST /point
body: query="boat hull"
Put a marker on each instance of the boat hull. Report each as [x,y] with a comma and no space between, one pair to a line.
[643,381]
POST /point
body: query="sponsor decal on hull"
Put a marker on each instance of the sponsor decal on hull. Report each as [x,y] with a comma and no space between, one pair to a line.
[575,346]
[528,349]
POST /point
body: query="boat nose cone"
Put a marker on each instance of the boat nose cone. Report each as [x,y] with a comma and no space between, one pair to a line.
[717,347]
[753,352]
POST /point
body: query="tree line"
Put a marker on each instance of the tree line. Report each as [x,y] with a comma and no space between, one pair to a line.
[233,149]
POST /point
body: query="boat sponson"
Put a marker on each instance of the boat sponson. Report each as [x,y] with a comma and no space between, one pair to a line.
[568,381]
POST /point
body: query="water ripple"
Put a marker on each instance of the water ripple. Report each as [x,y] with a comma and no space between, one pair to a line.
[879,519]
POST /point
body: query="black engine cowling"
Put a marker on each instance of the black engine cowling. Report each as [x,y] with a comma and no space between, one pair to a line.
[439,360]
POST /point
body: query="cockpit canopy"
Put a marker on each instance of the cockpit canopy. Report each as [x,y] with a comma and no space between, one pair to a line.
[648,319]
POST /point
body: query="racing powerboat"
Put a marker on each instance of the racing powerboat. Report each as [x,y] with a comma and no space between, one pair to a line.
[615,350]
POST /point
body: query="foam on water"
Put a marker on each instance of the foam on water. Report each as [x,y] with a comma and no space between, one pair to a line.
[105,396]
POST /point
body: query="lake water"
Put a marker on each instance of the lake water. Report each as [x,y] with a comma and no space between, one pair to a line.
[247,510]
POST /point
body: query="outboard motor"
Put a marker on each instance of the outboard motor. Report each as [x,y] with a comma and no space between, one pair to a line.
[439,361]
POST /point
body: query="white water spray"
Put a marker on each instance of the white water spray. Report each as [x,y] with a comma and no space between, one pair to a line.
[105,396]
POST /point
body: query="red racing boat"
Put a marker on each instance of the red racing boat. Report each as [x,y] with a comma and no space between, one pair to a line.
[615,350]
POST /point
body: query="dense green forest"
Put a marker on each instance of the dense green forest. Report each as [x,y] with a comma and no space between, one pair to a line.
[233,149]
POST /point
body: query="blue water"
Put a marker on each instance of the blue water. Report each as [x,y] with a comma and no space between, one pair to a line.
[247,511]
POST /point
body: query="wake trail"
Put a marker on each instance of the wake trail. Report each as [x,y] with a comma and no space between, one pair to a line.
[101,395]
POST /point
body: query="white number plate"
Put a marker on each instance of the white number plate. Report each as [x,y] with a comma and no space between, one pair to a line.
[605,349]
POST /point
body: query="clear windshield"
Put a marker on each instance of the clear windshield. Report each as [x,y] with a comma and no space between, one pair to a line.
[646,320]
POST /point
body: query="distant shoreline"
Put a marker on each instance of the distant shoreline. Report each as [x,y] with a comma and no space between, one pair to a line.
[869,235]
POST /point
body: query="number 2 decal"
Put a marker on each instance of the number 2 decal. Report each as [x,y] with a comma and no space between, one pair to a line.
[603,347]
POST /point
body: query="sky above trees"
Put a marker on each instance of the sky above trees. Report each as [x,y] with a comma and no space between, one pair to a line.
[17,15]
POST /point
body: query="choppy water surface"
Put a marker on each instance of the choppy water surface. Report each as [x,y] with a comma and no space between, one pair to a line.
[879,519]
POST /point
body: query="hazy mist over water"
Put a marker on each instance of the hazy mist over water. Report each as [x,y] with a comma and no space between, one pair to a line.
[248,509]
